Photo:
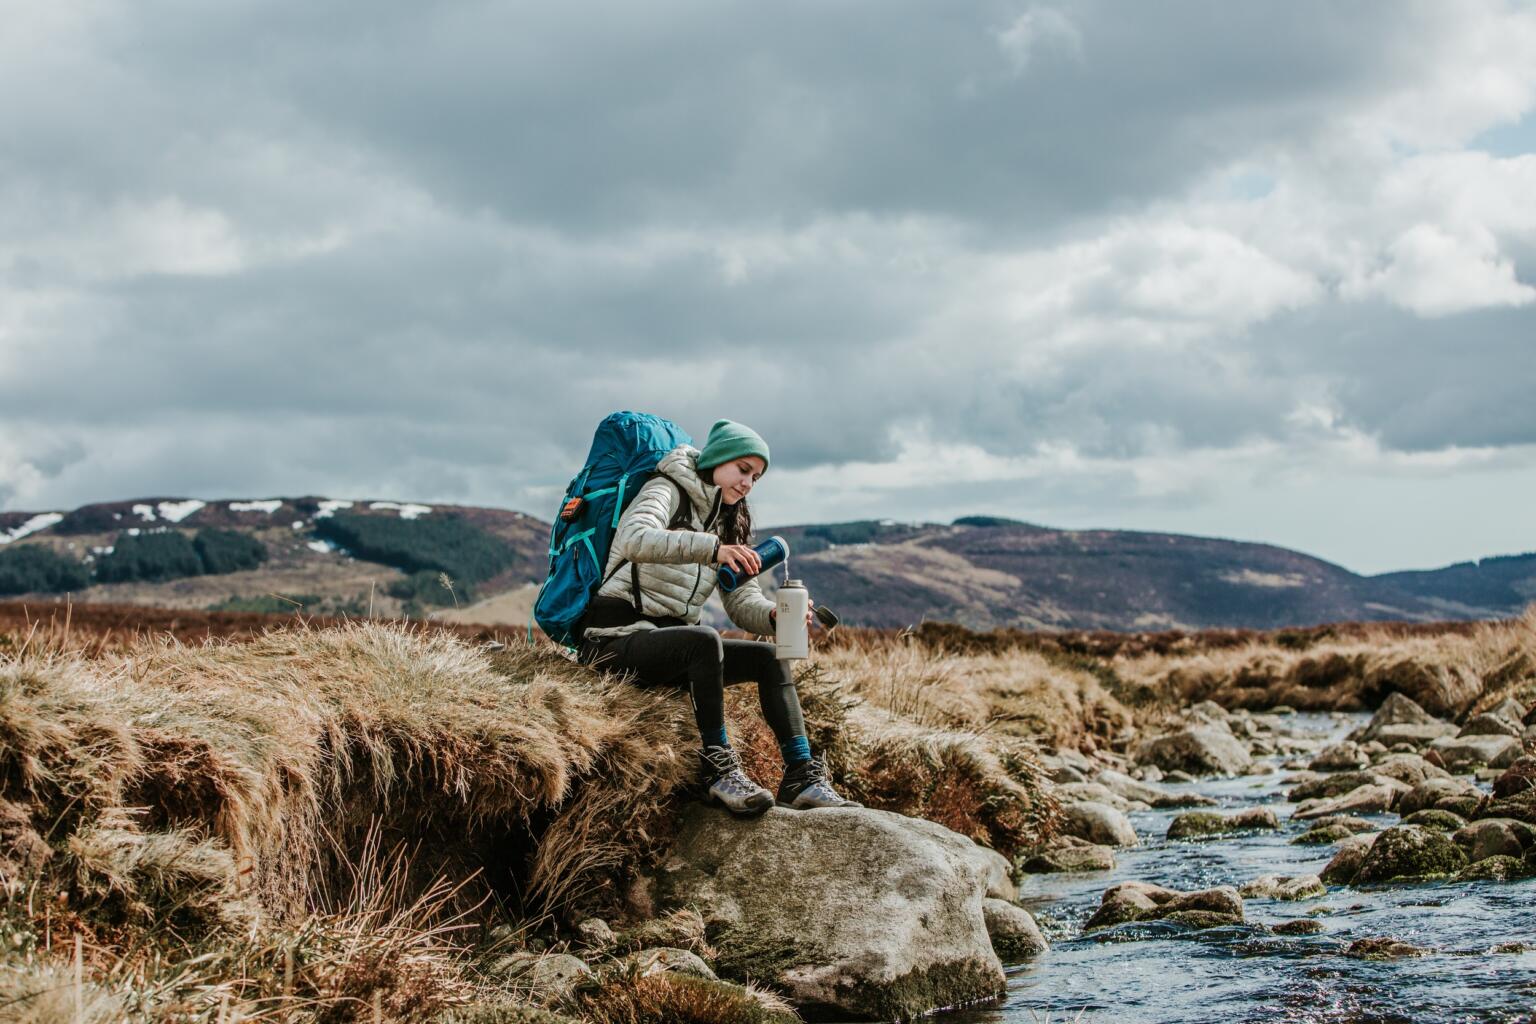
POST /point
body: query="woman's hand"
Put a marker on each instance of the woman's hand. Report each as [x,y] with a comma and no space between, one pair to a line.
[810,617]
[741,558]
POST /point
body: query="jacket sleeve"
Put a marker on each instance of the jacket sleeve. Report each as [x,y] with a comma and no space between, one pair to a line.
[748,608]
[643,535]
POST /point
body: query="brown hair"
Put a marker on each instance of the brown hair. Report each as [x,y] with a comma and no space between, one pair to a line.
[735,523]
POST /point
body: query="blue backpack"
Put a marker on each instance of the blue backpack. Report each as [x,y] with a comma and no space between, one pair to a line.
[624,454]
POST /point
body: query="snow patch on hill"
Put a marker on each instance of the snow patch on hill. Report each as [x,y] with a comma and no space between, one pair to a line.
[267,505]
[407,511]
[41,521]
[330,506]
[170,511]
[1254,578]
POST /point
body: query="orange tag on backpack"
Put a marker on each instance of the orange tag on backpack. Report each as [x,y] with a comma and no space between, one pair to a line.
[571,510]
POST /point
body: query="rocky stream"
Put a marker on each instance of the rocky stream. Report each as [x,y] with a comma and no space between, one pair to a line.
[1291,868]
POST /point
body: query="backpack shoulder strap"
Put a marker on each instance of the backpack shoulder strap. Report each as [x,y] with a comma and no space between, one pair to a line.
[683,516]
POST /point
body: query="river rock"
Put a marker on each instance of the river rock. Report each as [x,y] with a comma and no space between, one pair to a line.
[1142,901]
[1498,868]
[1097,823]
[1341,870]
[1488,724]
[1382,948]
[1194,824]
[1332,829]
[1375,799]
[1093,792]
[1517,778]
[1340,784]
[1400,711]
[1445,794]
[1299,926]
[1408,852]
[1433,817]
[1341,757]
[1284,887]
[1521,806]
[1154,796]
[1201,750]
[884,920]
[1015,935]
[1409,769]
[1464,753]
[1493,837]
[1078,856]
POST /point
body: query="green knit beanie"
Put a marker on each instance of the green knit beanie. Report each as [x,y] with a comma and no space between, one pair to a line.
[731,440]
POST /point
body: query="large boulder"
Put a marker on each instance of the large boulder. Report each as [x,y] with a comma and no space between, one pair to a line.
[1521,807]
[1097,823]
[1409,769]
[1200,750]
[1464,753]
[1408,852]
[1341,757]
[1401,719]
[852,912]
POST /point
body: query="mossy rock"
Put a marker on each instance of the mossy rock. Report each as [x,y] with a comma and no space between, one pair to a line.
[1437,819]
[1466,806]
[1498,868]
[1382,948]
[1192,824]
[1410,852]
[1300,926]
[1202,919]
[1325,836]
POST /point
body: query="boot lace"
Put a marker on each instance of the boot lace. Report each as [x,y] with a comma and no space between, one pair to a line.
[726,765]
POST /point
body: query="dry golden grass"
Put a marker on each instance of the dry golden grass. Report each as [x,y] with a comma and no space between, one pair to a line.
[1487,662]
[209,818]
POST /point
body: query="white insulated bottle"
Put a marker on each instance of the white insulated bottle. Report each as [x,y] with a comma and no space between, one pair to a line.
[791,633]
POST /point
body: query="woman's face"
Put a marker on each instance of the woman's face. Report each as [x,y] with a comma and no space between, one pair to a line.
[736,477]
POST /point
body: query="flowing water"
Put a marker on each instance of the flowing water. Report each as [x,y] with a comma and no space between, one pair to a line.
[1146,972]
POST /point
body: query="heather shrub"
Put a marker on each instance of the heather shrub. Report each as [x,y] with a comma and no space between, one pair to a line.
[36,568]
[225,551]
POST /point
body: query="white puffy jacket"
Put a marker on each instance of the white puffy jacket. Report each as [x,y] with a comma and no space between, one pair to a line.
[676,568]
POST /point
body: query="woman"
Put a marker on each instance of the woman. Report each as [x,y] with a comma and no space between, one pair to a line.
[686,522]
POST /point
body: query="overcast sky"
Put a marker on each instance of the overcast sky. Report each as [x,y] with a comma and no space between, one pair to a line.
[1254,270]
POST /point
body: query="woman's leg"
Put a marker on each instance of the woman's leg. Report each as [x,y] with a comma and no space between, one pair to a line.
[755,661]
[688,657]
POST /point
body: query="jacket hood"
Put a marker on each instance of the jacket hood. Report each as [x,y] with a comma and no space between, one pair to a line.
[682,465]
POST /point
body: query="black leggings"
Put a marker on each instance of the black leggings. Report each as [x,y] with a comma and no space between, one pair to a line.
[699,660]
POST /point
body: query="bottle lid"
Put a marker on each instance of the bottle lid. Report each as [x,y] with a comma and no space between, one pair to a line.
[791,583]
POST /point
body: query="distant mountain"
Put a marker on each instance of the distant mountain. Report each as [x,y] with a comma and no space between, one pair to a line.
[981,571]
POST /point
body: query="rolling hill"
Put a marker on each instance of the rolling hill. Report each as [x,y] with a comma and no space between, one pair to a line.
[353,556]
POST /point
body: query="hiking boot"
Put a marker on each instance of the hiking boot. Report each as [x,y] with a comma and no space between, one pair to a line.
[806,785]
[727,785]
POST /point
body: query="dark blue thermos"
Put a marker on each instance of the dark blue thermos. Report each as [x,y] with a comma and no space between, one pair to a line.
[772,551]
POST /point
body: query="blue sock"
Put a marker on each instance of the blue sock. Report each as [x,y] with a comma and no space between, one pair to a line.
[719,739]
[795,750]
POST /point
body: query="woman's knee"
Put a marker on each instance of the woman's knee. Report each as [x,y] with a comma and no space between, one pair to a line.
[703,644]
